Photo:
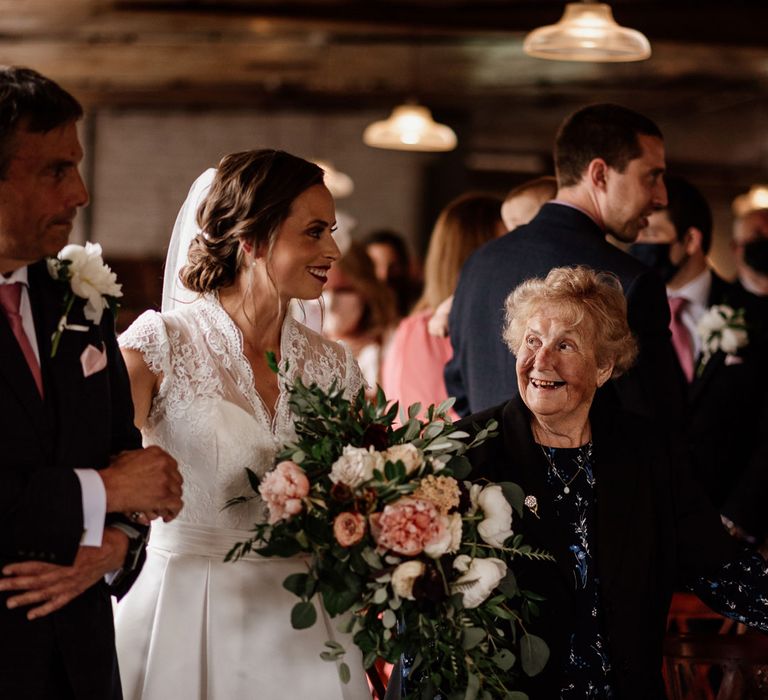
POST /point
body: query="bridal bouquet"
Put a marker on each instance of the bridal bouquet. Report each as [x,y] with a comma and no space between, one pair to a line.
[418,559]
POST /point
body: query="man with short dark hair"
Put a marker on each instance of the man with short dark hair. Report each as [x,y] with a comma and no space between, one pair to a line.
[71,459]
[609,162]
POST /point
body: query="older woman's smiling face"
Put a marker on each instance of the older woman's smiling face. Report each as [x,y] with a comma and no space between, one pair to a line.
[557,370]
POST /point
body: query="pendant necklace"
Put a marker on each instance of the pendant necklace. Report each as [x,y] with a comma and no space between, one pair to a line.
[579,464]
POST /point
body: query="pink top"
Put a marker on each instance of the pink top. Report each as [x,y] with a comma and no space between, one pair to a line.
[413,366]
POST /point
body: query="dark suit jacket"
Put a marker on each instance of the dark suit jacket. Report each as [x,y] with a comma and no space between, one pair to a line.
[726,417]
[482,370]
[652,526]
[81,423]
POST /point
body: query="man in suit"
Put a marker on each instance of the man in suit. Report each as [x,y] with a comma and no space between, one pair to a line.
[71,459]
[726,391]
[609,162]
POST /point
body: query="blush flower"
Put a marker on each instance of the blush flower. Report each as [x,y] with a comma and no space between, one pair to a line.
[407,526]
[283,490]
[348,528]
[450,540]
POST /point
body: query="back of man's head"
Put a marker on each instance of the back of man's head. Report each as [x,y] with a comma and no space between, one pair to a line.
[687,208]
[604,131]
[31,101]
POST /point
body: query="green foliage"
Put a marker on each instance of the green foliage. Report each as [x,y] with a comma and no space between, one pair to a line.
[464,653]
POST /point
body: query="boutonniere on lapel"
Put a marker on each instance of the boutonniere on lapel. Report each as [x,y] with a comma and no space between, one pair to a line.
[722,328]
[86,275]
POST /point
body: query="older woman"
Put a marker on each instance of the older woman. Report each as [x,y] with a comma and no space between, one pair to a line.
[606,495]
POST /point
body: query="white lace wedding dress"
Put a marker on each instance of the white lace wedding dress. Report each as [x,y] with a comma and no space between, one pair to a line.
[193,627]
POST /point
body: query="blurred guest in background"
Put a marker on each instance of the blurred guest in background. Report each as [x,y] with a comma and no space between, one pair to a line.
[523,202]
[413,368]
[392,264]
[725,387]
[360,311]
[750,248]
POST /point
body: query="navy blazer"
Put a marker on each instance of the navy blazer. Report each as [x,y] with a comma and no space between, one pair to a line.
[482,370]
[81,423]
[653,528]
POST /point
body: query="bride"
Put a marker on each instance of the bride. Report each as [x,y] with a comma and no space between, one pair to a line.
[250,237]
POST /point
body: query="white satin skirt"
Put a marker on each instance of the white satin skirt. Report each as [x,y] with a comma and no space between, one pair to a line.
[195,628]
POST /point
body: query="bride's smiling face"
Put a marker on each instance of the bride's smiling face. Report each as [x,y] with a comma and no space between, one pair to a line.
[304,246]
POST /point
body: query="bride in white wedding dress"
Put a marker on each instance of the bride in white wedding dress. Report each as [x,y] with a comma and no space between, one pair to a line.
[258,232]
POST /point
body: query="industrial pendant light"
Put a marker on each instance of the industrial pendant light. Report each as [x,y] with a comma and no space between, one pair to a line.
[410,127]
[587,32]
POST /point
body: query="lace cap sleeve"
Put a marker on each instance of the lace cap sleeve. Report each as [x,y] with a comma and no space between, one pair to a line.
[148,335]
[353,377]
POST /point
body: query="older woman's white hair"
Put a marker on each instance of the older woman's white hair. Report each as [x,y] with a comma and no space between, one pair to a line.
[580,294]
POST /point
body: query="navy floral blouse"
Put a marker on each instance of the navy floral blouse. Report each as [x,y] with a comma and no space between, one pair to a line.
[571,482]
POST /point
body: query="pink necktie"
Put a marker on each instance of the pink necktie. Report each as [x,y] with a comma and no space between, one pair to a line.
[681,338]
[10,300]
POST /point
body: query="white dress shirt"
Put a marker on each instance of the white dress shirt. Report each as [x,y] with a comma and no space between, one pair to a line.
[696,292]
[93,494]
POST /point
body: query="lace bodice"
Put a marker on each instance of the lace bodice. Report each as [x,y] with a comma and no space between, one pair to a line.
[207,412]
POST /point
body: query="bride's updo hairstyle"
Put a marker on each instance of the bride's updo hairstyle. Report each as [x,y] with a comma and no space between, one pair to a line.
[250,197]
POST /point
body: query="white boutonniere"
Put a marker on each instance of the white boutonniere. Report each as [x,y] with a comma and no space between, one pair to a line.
[722,328]
[83,269]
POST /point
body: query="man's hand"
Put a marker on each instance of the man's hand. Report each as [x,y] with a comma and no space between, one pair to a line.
[53,586]
[143,481]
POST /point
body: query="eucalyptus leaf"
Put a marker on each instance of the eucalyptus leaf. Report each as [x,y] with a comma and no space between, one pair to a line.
[380,595]
[344,673]
[508,585]
[534,654]
[473,686]
[516,695]
[303,615]
[471,637]
[296,584]
[504,659]
[388,619]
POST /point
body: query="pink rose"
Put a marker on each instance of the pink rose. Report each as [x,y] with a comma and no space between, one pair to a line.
[348,528]
[407,526]
[282,490]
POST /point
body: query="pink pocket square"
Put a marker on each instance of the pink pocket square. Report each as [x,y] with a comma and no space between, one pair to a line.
[93,360]
[733,360]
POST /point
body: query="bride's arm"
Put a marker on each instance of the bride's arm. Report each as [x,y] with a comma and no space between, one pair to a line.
[144,384]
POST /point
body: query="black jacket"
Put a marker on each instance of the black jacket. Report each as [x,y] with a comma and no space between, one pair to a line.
[81,423]
[654,528]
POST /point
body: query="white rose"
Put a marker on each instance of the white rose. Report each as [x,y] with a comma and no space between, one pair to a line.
[479,577]
[711,322]
[404,577]
[356,465]
[496,527]
[732,339]
[450,540]
[409,455]
[90,278]
[474,492]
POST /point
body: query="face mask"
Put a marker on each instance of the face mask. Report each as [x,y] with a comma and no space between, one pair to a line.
[756,255]
[656,256]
